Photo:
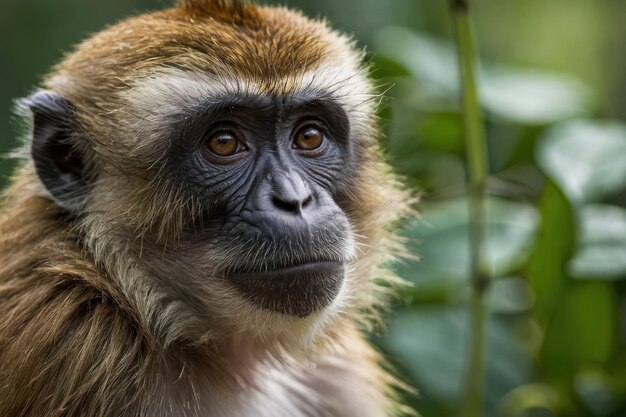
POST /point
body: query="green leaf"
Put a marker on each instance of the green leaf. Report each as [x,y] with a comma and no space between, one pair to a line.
[581,330]
[535,399]
[595,388]
[430,59]
[602,248]
[442,132]
[532,97]
[510,295]
[440,237]
[555,245]
[386,68]
[587,159]
[518,95]
[431,342]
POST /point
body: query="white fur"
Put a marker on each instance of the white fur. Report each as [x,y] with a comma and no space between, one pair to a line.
[156,96]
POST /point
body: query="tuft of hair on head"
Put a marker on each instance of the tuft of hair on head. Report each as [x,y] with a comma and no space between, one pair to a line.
[234,11]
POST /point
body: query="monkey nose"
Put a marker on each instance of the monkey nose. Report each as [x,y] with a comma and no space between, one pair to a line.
[289,193]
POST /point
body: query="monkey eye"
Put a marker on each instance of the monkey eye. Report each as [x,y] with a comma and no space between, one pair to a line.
[308,138]
[224,144]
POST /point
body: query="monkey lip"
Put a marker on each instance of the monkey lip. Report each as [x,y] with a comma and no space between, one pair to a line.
[297,290]
[291,270]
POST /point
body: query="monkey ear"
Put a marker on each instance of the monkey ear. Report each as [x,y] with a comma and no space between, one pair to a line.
[54,148]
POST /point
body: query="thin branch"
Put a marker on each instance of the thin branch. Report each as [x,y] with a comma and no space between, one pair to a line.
[477,168]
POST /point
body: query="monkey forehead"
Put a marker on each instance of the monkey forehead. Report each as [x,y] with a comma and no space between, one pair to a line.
[256,42]
[158,96]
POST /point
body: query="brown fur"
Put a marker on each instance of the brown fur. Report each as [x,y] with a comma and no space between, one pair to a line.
[102,315]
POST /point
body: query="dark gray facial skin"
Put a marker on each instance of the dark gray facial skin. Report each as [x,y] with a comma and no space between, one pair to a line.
[272,203]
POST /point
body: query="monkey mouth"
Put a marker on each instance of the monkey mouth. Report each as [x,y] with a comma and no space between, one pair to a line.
[296,290]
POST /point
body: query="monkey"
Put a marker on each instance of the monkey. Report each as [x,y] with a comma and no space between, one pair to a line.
[198,223]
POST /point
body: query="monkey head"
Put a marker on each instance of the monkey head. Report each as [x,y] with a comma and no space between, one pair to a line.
[218,161]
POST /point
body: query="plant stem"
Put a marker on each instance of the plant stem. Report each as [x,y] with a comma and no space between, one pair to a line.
[477,168]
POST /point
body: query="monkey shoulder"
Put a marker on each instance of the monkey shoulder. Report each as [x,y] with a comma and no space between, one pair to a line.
[65,344]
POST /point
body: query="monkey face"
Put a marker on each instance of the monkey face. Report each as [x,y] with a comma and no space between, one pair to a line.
[225,171]
[268,171]
[243,194]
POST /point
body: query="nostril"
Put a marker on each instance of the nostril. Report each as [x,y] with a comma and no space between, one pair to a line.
[292,206]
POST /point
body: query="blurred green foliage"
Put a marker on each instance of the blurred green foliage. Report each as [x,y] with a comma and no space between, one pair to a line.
[553,90]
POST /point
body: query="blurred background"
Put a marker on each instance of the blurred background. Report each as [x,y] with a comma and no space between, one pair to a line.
[553,80]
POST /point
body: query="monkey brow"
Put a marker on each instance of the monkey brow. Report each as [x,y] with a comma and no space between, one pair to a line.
[253,102]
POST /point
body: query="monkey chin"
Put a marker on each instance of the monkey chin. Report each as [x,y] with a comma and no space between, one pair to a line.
[295,290]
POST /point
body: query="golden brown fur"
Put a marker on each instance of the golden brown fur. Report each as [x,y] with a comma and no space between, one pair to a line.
[102,314]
